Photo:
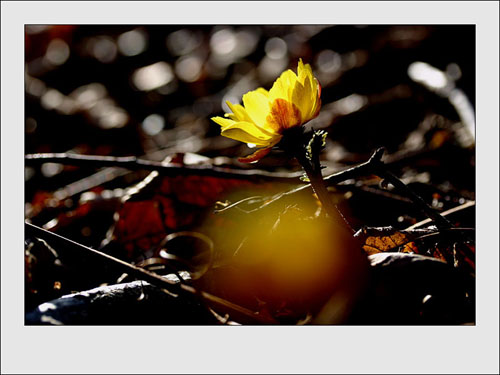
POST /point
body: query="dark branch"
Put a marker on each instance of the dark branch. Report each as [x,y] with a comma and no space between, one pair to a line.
[373,166]
[63,244]
[166,169]
[440,221]
[360,170]
[381,170]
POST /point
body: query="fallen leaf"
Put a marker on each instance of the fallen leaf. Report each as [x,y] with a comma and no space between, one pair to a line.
[390,242]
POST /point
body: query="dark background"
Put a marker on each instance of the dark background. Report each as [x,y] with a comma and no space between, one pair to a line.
[366,60]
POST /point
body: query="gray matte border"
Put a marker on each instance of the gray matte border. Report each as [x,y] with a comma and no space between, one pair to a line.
[248,349]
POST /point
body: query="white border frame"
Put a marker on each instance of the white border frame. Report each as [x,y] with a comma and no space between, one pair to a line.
[248,349]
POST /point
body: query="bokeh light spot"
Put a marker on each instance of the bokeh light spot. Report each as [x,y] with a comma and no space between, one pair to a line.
[427,75]
[152,76]
[276,48]
[188,68]
[132,43]
[153,124]
[57,52]
[223,42]
[104,49]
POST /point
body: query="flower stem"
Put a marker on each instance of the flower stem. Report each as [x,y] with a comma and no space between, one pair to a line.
[306,148]
[313,170]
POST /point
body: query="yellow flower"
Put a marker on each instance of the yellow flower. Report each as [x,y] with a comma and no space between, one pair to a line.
[293,100]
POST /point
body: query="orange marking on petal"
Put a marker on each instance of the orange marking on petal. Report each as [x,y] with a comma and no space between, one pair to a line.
[283,115]
[256,156]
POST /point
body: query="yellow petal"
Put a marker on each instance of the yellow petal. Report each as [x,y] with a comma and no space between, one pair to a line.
[306,78]
[304,71]
[257,106]
[282,88]
[302,98]
[239,112]
[223,122]
[248,133]
[263,91]
[317,98]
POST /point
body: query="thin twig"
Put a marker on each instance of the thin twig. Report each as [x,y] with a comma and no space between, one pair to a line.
[63,243]
[363,169]
[380,169]
[166,169]
[440,221]
[357,171]
[373,166]
[445,213]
